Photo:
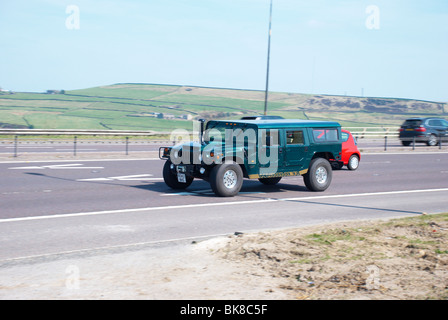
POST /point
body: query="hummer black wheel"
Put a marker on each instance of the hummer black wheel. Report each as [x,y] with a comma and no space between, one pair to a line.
[170,178]
[226,179]
[319,175]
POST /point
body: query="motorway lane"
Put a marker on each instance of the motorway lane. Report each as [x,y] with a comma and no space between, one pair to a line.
[30,189]
[46,188]
[128,204]
[24,240]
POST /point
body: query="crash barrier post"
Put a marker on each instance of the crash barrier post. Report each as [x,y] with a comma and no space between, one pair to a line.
[15,146]
[74,146]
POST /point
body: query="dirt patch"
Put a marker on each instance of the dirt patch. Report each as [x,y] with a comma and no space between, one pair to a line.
[399,259]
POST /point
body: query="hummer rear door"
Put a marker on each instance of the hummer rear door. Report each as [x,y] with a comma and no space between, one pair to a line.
[295,145]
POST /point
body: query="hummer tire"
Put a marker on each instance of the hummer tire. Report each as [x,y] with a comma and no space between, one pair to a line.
[171,179]
[319,175]
[226,179]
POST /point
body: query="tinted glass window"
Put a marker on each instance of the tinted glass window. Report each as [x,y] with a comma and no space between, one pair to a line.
[412,123]
[344,136]
[294,137]
[434,123]
[323,135]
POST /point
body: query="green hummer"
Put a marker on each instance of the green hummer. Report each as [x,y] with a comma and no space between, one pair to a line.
[267,150]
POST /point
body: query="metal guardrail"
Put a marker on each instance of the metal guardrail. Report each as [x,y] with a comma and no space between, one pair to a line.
[373,132]
[74,133]
[361,132]
[357,132]
[386,133]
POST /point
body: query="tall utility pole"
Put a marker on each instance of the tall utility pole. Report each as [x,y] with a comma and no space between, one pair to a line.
[269,57]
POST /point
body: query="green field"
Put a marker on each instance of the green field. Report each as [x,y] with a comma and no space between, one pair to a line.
[136,106]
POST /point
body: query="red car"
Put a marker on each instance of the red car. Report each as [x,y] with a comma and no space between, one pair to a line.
[350,153]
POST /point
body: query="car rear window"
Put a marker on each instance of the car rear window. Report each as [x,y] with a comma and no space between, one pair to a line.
[325,135]
[412,123]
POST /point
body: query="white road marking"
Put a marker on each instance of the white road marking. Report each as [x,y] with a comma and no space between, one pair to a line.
[215,204]
[83,160]
[56,167]
[121,246]
[133,177]
[138,177]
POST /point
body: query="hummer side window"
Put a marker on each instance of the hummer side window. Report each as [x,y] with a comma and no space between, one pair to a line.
[325,135]
[294,137]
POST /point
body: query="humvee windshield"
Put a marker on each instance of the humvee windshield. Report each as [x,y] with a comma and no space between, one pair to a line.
[223,131]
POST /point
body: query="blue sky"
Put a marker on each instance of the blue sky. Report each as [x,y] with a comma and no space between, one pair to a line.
[318,46]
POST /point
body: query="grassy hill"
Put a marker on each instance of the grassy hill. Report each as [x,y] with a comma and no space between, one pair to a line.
[166,107]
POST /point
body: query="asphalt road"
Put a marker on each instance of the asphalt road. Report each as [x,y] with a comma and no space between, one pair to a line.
[59,207]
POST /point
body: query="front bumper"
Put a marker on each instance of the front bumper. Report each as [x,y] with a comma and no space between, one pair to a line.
[191,170]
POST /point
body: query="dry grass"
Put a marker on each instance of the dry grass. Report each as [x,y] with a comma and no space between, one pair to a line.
[400,259]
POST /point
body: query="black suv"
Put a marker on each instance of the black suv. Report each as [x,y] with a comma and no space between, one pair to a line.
[427,130]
